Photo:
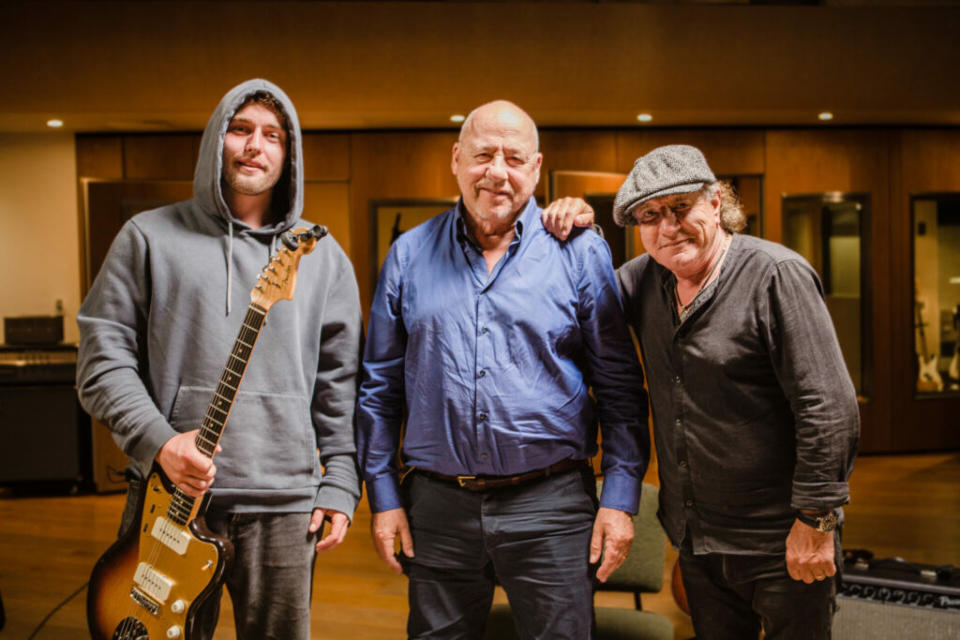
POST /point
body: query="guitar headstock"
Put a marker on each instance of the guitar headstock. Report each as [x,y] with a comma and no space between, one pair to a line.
[278,279]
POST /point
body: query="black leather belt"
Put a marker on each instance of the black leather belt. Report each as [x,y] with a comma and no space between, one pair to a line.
[485,483]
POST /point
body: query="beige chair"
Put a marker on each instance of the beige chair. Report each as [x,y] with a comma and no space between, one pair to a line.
[642,572]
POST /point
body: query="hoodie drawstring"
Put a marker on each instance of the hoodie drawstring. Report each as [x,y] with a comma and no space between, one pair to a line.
[229,262]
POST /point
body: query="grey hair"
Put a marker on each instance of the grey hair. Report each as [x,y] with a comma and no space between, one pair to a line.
[469,119]
[732,217]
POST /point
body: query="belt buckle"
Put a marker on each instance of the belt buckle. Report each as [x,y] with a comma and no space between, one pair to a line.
[463,480]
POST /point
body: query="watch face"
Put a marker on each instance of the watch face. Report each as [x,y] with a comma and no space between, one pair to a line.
[828,522]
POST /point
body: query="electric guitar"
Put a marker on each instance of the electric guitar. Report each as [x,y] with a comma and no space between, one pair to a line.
[152,581]
[954,369]
[928,378]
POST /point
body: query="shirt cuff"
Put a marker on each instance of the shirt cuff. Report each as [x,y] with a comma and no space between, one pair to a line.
[331,497]
[819,495]
[384,493]
[621,493]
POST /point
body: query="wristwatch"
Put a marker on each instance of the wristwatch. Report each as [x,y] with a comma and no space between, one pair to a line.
[824,522]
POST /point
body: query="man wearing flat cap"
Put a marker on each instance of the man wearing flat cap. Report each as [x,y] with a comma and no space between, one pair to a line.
[756,418]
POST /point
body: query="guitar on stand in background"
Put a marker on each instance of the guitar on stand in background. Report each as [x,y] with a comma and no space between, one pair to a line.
[928,378]
[954,369]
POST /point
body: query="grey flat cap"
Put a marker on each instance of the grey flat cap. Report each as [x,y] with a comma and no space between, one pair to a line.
[675,168]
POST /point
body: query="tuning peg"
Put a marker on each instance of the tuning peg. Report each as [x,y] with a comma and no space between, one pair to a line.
[289,240]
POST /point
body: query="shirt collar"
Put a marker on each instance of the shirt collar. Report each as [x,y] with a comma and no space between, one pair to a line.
[527,219]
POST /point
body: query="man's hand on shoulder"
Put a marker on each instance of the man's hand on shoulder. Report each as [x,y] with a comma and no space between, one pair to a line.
[186,467]
[810,554]
[385,527]
[339,522]
[561,215]
[612,536]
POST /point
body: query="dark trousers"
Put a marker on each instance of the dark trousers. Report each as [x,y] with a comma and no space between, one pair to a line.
[533,539]
[271,578]
[732,596]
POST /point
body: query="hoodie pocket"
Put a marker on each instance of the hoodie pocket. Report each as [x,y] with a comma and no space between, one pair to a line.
[268,441]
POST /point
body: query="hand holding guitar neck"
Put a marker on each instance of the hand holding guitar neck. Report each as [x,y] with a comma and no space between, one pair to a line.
[185,466]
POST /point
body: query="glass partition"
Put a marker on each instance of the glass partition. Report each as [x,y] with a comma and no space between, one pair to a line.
[830,231]
[936,292]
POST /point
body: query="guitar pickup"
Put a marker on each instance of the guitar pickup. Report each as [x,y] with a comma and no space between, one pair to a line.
[170,535]
[154,584]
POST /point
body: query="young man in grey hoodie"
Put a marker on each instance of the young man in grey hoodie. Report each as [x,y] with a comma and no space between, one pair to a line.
[156,330]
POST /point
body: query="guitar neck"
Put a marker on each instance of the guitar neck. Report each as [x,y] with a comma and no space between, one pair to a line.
[182,506]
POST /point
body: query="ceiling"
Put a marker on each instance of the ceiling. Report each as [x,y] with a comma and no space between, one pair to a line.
[162,66]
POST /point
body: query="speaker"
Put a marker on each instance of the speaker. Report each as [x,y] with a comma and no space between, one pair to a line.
[892,599]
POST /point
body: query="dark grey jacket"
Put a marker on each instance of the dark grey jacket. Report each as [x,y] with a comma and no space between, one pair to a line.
[755,415]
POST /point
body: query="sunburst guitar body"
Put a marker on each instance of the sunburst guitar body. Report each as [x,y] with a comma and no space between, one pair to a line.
[154,580]
[175,569]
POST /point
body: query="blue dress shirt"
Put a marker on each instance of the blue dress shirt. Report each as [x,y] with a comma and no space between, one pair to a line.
[491,373]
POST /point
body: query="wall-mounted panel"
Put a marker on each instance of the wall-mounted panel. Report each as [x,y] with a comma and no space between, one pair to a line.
[834,161]
[928,163]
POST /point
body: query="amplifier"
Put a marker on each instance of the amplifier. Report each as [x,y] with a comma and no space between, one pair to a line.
[892,599]
[33,330]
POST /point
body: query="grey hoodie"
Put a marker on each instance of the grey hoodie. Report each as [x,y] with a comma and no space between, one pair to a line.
[162,315]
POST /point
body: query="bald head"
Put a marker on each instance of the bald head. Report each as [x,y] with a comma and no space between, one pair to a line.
[507,115]
[497,164]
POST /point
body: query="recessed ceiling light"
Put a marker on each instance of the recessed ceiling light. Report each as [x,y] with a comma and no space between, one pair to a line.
[825,115]
[644,117]
[55,123]
[458,117]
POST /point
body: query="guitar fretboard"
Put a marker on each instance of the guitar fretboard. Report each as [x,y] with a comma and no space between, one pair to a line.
[181,505]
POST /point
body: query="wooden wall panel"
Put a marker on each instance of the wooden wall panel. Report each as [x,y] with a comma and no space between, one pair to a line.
[728,151]
[927,161]
[326,156]
[393,165]
[328,203]
[573,150]
[816,161]
[160,157]
[100,156]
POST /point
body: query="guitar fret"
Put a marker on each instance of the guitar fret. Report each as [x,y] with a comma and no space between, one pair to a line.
[242,361]
[211,413]
[205,440]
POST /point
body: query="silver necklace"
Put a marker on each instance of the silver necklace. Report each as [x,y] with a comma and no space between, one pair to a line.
[683,310]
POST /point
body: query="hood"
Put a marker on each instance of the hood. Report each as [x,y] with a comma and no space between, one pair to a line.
[206,178]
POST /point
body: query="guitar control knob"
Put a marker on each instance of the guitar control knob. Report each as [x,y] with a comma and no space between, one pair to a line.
[178,606]
[173,632]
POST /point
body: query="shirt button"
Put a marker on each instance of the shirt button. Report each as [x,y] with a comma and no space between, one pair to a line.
[483,456]
[689,503]
[683,464]
[483,330]
[481,417]
[482,373]
[677,379]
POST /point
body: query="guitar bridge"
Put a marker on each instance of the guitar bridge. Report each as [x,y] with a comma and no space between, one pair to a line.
[141,598]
